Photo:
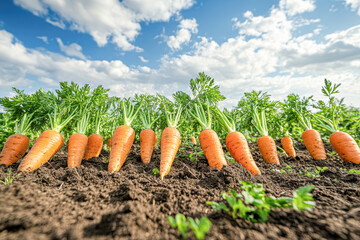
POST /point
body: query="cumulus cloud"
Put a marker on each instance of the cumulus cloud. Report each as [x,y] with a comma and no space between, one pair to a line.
[183,34]
[354,4]
[143,59]
[106,21]
[293,7]
[72,50]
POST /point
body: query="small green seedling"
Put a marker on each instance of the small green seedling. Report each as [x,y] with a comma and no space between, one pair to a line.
[180,223]
[289,169]
[200,227]
[8,180]
[155,171]
[252,204]
[353,171]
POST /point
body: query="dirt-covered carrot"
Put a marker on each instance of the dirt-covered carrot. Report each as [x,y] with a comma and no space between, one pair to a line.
[148,138]
[17,144]
[312,139]
[266,143]
[47,144]
[108,143]
[123,137]
[209,140]
[170,141]
[78,142]
[193,140]
[288,146]
[95,141]
[237,144]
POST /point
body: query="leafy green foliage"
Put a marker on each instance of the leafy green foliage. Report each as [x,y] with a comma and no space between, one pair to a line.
[204,89]
[252,204]
[199,227]
[155,171]
[8,180]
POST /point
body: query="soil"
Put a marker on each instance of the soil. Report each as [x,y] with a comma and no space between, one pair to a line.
[88,202]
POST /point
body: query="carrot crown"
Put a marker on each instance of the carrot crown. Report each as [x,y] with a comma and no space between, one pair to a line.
[129,111]
[225,121]
[83,123]
[304,121]
[200,115]
[24,124]
[172,118]
[259,122]
[56,120]
[145,117]
[328,124]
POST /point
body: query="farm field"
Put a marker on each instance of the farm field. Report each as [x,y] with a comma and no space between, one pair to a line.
[79,164]
[89,202]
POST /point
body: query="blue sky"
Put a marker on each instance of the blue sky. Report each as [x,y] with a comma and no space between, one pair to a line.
[138,46]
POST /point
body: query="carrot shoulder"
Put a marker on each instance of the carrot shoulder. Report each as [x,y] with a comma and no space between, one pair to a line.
[288,146]
[121,143]
[345,146]
[45,147]
[14,148]
[212,148]
[239,149]
[314,144]
[267,148]
[170,143]
[94,146]
[76,149]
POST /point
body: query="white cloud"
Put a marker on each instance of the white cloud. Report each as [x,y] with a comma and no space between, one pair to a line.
[72,50]
[48,81]
[44,39]
[293,7]
[354,4]
[183,34]
[106,21]
[143,59]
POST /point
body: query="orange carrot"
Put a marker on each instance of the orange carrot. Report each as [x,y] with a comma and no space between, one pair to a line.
[266,144]
[170,143]
[239,149]
[193,140]
[147,144]
[156,141]
[44,148]
[76,149]
[94,146]
[314,144]
[123,137]
[109,143]
[267,148]
[121,143]
[212,148]
[14,148]
[288,146]
[345,146]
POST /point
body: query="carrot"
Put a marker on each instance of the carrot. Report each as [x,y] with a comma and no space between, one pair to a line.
[17,144]
[95,140]
[148,138]
[44,148]
[170,141]
[147,144]
[212,148]
[193,140]
[312,139]
[123,138]
[94,146]
[239,149]
[156,141]
[76,149]
[236,144]
[266,144]
[288,146]
[209,140]
[109,143]
[48,143]
[345,146]
[14,148]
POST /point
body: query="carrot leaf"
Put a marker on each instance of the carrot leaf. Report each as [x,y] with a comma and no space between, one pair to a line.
[259,122]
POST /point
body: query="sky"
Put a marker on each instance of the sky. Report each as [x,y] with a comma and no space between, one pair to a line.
[146,46]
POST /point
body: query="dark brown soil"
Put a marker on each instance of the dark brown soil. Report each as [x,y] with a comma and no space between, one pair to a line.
[88,202]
